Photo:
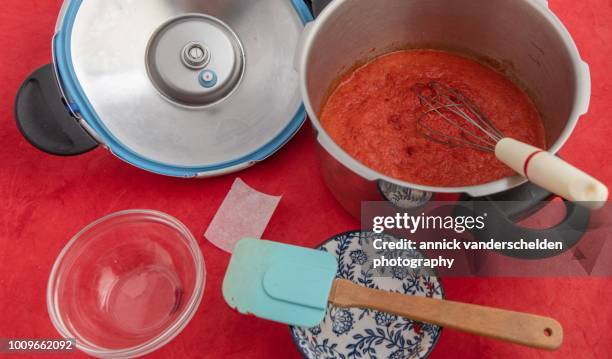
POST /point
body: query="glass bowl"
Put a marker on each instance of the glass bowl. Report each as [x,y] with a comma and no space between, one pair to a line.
[126,284]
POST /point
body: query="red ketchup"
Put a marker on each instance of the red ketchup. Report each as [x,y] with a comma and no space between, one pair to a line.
[373,113]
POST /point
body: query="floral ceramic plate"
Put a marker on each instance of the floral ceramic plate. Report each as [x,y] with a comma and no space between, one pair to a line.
[367,334]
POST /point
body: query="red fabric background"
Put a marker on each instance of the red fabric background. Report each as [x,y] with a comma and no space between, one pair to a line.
[44,200]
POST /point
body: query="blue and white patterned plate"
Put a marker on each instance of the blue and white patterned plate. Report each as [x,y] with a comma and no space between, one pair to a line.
[403,197]
[366,334]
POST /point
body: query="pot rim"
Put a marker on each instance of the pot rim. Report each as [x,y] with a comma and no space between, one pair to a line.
[582,97]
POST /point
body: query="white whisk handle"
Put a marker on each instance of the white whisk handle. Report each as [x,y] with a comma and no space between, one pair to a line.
[552,173]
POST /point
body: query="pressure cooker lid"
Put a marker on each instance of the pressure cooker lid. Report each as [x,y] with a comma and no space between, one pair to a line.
[184,88]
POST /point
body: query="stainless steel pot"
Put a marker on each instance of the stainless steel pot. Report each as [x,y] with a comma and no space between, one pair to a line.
[524,34]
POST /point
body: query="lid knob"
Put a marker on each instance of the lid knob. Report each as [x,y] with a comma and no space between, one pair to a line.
[195,55]
[181,65]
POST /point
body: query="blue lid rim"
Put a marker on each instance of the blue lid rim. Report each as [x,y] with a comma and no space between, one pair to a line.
[76,98]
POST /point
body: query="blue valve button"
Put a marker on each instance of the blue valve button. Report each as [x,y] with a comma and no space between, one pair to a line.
[208,78]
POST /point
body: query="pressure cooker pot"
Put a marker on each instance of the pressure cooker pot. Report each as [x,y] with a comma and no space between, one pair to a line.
[524,36]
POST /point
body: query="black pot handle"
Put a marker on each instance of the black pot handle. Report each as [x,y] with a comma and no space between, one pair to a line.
[507,208]
[44,120]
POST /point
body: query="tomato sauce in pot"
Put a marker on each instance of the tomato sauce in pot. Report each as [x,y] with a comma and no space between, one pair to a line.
[373,113]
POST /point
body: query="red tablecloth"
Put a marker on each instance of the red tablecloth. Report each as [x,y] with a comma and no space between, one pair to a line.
[44,200]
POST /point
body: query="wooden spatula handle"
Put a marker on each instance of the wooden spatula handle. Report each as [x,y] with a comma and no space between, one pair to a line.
[520,328]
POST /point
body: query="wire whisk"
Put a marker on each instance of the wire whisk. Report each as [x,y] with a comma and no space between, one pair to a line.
[451,118]
[448,104]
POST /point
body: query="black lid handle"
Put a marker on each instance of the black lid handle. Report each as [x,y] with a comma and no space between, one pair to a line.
[44,120]
[318,6]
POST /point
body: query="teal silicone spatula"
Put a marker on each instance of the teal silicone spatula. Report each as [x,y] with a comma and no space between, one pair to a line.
[293,285]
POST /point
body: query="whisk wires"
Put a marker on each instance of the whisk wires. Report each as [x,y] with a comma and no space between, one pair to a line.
[441,102]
